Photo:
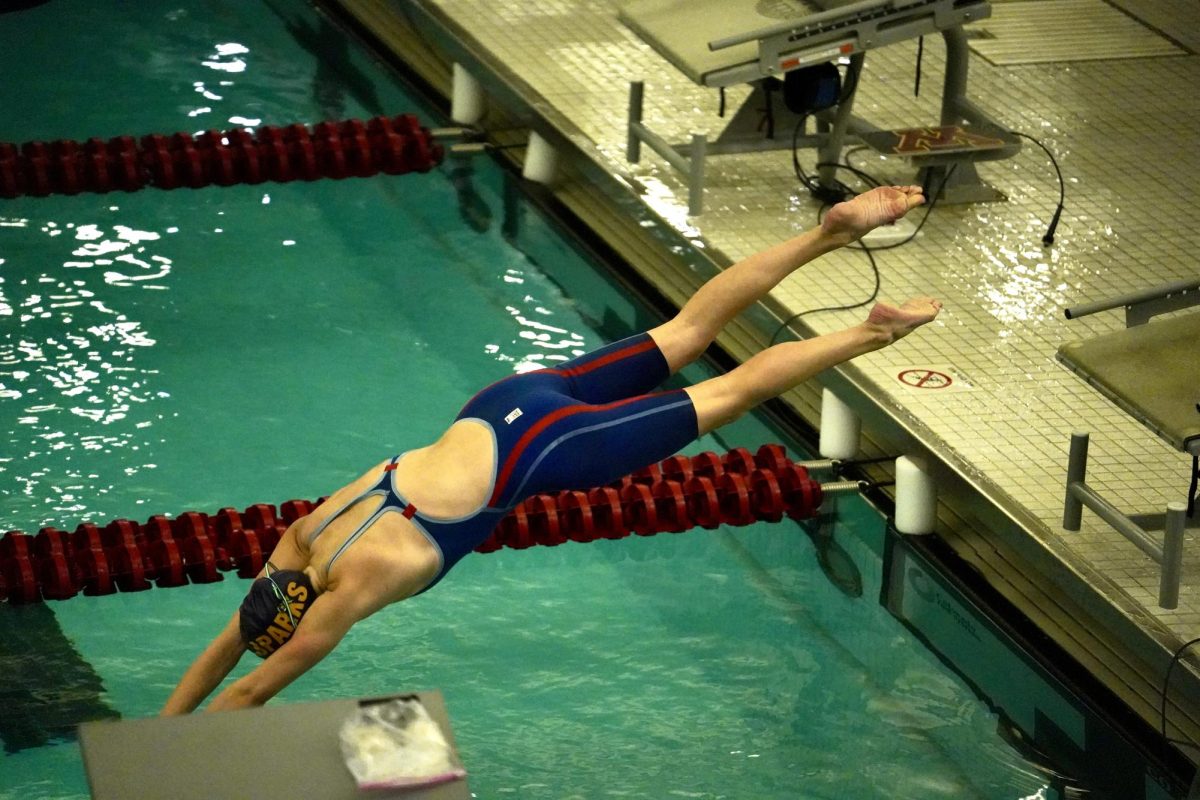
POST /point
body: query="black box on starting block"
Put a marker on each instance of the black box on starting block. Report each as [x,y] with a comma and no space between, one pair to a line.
[268,753]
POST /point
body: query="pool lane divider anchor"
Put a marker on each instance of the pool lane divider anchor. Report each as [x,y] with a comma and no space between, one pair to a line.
[915,492]
[350,148]
[468,103]
[674,495]
[468,106]
[841,427]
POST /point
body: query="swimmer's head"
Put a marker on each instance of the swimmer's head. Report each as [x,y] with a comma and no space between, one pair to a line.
[273,608]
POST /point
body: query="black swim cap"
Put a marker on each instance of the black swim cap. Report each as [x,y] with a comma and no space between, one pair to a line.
[273,608]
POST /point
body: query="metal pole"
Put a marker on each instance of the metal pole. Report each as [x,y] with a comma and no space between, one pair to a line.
[633,146]
[954,87]
[1121,523]
[1172,561]
[696,174]
[831,152]
[1076,472]
[843,486]
[663,148]
[1133,298]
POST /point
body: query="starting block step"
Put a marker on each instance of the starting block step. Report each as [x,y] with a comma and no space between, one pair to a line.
[944,142]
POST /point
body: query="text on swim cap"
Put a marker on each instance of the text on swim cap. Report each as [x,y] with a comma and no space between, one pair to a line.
[280,629]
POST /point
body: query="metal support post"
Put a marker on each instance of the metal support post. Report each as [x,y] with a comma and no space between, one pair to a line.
[1172,560]
[1076,472]
[633,146]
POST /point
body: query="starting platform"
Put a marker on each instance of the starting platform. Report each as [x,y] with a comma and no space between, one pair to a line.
[1149,370]
[787,47]
[270,753]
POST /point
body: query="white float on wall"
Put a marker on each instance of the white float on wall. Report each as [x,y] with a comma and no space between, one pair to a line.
[467,102]
[916,496]
[541,160]
[840,428]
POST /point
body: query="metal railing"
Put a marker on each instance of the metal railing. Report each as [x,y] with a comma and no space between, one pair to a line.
[1168,555]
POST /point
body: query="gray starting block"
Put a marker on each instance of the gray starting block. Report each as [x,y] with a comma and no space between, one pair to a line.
[268,753]
[720,43]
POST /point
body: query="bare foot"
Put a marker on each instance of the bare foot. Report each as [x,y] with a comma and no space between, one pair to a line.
[892,322]
[860,215]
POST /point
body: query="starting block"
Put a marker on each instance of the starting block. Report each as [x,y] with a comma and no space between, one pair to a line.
[722,43]
[270,753]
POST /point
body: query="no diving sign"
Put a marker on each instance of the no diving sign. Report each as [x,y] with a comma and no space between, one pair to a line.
[933,379]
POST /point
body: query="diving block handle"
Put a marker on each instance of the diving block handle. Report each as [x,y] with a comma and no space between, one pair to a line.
[1168,555]
[1141,306]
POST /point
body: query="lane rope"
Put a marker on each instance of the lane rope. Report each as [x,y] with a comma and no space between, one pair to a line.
[351,148]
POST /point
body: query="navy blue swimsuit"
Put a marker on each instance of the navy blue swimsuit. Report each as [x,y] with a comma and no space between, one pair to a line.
[584,424]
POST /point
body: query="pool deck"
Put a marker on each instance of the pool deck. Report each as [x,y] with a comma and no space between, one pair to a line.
[1122,130]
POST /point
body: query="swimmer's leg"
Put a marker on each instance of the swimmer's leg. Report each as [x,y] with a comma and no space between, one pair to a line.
[775,370]
[683,338]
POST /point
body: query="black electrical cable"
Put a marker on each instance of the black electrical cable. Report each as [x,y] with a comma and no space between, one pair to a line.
[851,151]
[839,191]
[870,251]
[1048,239]
[1191,505]
[874,294]
[1166,682]
[920,55]
[865,177]
[827,194]
[800,173]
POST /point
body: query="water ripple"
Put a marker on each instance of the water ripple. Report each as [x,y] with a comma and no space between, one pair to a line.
[75,350]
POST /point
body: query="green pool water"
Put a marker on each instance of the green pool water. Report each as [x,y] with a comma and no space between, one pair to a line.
[170,351]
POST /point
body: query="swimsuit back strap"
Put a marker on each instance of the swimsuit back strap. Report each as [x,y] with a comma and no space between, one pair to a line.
[384,485]
[392,501]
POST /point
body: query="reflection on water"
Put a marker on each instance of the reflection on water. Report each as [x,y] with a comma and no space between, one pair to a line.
[72,292]
[46,687]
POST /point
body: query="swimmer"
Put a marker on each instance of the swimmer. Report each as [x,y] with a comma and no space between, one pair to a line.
[582,424]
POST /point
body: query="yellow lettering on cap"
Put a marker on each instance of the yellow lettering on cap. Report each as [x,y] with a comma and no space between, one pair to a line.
[283,621]
[297,590]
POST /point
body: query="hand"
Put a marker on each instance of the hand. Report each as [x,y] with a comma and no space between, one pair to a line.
[851,220]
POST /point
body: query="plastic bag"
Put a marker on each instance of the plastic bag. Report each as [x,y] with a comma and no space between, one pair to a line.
[396,744]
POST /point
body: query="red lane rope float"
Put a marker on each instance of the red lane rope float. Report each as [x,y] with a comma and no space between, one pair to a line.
[674,495]
[353,148]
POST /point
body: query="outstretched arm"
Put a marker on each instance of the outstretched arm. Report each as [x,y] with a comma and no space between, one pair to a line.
[223,653]
[207,671]
[327,620]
